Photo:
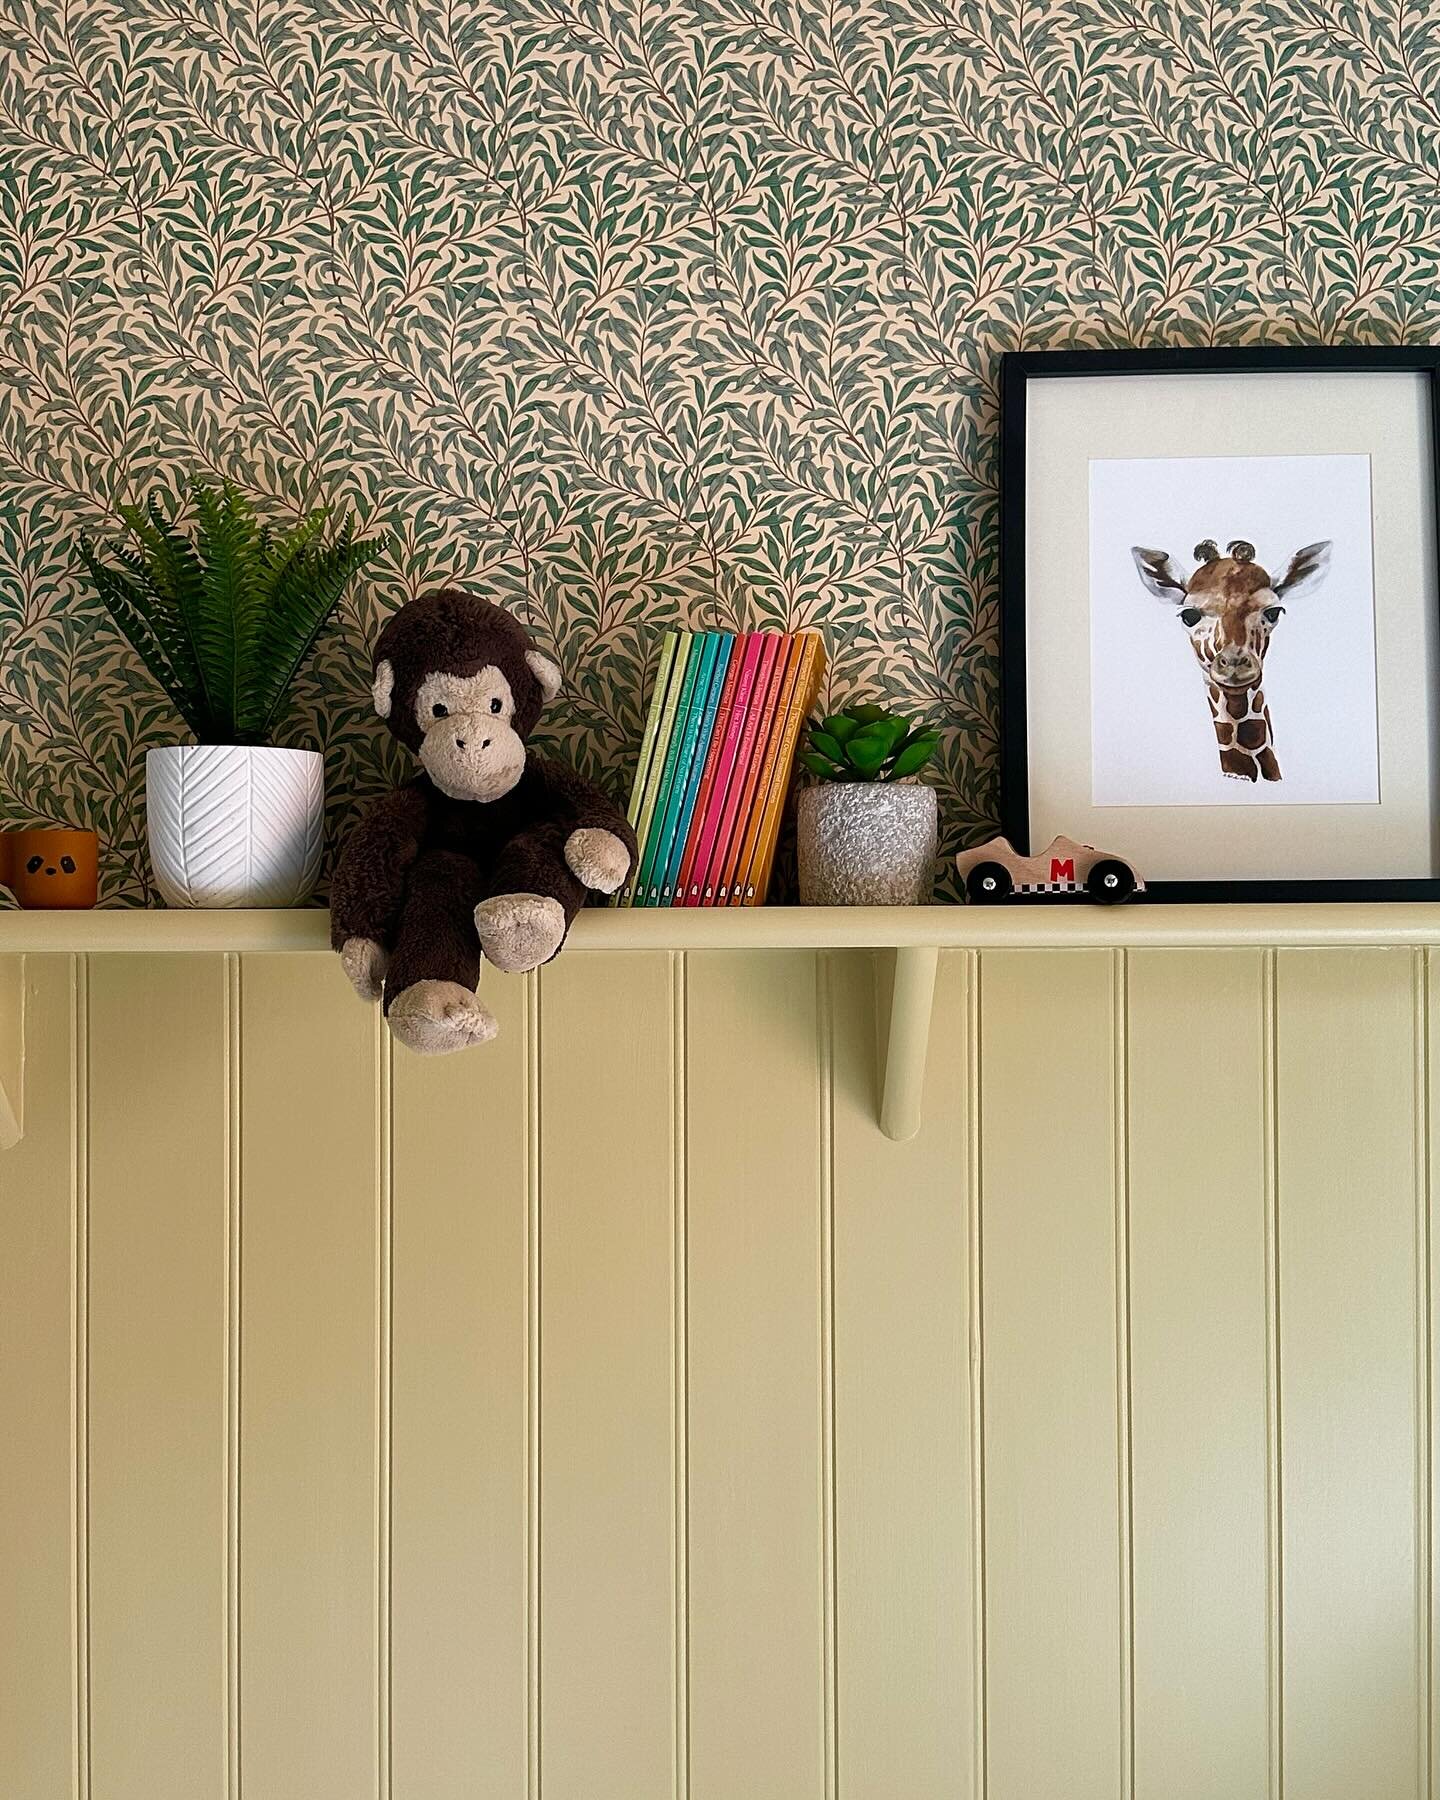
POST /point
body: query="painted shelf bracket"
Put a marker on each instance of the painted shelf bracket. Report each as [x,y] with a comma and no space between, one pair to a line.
[903,1015]
[12,1050]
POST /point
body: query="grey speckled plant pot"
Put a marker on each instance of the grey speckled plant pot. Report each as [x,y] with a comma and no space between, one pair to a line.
[866,843]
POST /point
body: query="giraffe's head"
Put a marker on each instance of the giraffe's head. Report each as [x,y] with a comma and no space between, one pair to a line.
[1230,605]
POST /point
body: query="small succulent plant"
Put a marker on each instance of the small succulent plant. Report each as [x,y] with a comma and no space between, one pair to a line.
[868,743]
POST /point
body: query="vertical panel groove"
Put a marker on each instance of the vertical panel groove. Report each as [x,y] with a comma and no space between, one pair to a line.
[1124,1407]
[679,1046]
[1424,1430]
[232,1438]
[80,1359]
[384,1396]
[826,1163]
[981,1777]
[532,1386]
[1274,1495]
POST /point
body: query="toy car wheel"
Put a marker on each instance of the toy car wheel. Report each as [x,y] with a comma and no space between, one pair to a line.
[1110,882]
[988,882]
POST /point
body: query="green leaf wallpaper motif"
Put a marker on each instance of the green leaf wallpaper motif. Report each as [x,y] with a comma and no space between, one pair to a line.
[634,312]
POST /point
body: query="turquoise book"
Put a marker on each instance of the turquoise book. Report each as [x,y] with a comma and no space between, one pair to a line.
[701,655]
[692,765]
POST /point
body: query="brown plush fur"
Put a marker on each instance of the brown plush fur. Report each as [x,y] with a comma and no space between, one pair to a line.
[418,864]
[461,634]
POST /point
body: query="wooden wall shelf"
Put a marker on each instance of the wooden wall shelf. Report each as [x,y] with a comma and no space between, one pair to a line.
[913,936]
[1055,927]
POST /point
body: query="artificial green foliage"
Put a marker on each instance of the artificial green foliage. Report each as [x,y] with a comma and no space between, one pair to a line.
[223,621]
[868,743]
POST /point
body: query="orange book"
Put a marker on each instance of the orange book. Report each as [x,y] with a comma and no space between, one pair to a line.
[807,687]
[747,766]
[766,754]
[762,652]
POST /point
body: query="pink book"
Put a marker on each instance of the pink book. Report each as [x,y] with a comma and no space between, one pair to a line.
[772,648]
[749,653]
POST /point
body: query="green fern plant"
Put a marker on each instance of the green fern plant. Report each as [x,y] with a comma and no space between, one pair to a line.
[868,743]
[223,621]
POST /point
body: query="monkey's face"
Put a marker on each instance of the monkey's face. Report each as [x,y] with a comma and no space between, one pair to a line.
[470,748]
[458,681]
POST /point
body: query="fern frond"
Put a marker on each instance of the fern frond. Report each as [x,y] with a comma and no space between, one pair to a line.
[306,592]
[172,569]
[231,598]
[129,606]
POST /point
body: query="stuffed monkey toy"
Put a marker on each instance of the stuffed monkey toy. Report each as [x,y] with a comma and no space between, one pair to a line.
[491,850]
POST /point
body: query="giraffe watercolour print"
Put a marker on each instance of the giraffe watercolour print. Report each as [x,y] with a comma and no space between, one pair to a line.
[1232,632]
[1230,606]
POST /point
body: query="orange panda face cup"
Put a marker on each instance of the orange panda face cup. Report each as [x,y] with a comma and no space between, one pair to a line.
[50,868]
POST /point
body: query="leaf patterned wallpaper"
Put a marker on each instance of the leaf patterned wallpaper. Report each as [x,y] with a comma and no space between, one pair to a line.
[637,312]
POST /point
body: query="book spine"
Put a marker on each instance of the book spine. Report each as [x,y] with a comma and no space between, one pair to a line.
[704,724]
[754,650]
[812,673]
[694,647]
[761,699]
[644,819]
[742,882]
[687,890]
[643,763]
[692,705]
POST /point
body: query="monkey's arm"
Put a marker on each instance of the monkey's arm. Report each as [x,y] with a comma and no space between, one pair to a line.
[599,846]
[369,885]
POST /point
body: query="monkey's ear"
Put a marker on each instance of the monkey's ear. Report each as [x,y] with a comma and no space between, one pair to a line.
[383,686]
[545,672]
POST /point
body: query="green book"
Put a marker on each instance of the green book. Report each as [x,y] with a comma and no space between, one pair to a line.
[668,645]
[687,731]
[647,792]
[700,649]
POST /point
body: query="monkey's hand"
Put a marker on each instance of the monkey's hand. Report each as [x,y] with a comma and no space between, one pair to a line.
[597,858]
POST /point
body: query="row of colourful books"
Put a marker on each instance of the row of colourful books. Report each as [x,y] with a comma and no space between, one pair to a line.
[716,762]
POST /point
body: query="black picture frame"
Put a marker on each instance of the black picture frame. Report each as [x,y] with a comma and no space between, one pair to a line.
[1017,369]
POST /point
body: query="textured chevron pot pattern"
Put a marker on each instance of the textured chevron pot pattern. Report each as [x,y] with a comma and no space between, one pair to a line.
[235,825]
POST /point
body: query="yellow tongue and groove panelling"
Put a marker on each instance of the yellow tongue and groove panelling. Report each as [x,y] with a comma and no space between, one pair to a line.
[613,1414]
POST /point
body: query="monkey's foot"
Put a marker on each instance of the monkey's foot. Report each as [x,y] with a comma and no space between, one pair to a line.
[434,1017]
[597,858]
[520,931]
[363,960]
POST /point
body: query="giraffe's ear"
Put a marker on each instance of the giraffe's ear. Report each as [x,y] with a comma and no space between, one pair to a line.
[1306,571]
[1158,573]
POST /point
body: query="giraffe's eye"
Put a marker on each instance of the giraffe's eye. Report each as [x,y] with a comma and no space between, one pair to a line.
[439,710]
[34,865]
[67,863]
[1190,615]
[1271,614]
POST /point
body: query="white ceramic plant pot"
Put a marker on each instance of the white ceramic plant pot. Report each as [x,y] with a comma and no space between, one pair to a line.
[235,824]
[866,843]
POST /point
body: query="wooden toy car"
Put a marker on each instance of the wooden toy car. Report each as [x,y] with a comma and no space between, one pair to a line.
[996,871]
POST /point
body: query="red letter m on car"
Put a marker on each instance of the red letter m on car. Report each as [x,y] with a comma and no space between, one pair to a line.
[1062,869]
